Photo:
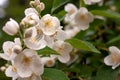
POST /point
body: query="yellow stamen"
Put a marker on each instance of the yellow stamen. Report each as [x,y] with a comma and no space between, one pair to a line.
[26,61]
[115,58]
[14,69]
[33,40]
[48,23]
[10,51]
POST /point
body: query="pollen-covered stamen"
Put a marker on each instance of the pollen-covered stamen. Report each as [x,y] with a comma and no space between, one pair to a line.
[10,51]
[48,23]
[14,69]
[50,63]
[33,39]
[83,17]
[115,57]
[26,61]
[60,49]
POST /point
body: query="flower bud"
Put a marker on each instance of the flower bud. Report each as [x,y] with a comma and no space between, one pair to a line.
[40,7]
[11,27]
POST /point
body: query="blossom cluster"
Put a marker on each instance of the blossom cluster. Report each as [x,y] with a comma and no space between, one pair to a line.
[37,32]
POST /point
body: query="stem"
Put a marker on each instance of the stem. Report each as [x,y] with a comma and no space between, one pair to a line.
[20,34]
[80,3]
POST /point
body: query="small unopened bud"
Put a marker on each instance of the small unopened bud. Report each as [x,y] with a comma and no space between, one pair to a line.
[11,27]
[32,3]
[3,68]
[40,7]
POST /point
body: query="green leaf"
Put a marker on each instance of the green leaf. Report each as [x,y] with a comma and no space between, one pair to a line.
[106,13]
[58,3]
[48,6]
[47,51]
[83,45]
[114,40]
[107,73]
[60,15]
[54,74]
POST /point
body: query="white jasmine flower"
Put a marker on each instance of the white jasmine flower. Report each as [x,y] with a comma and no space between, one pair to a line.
[50,24]
[113,59]
[27,63]
[71,9]
[11,49]
[63,49]
[90,2]
[11,27]
[83,18]
[34,38]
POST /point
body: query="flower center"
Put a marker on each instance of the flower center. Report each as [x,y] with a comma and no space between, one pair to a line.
[60,49]
[48,23]
[33,39]
[26,61]
[10,51]
[50,63]
[115,58]
[83,17]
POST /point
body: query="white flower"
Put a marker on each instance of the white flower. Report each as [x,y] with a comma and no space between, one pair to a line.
[71,10]
[50,24]
[27,63]
[59,35]
[63,49]
[12,72]
[29,11]
[11,49]
[83,18]
[34,38]
[71,31]
[11,27]
[113,59]
[48,61]
[90,2]
[31,18]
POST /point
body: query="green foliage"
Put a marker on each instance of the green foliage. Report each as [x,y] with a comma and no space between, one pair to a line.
[54,74]
[106,73]
[106,13]
[82,45]
[47,51]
